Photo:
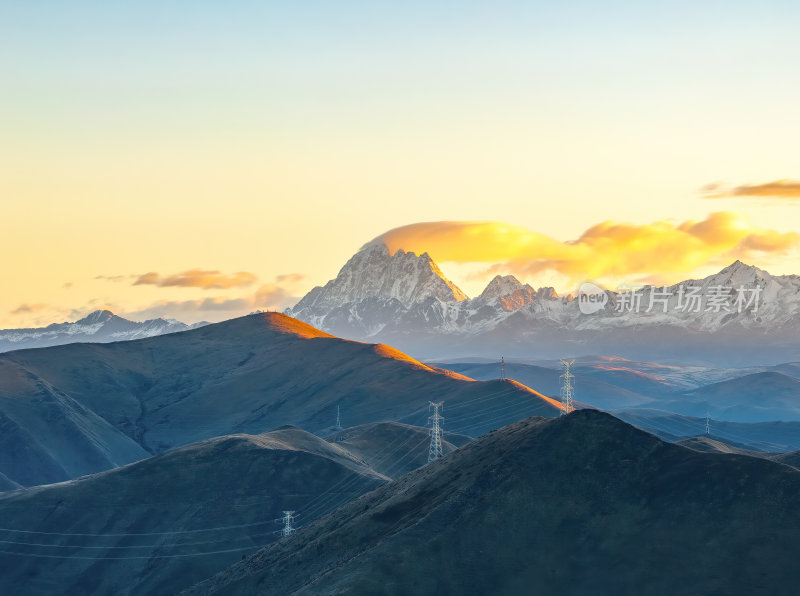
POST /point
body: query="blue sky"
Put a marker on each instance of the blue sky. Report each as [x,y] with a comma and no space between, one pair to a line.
[245,122]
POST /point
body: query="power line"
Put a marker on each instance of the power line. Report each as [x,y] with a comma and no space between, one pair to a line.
[174,556]
[436,451]
[236,527]
[137,546]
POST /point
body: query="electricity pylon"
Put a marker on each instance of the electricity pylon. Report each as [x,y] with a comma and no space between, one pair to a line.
[566,388]
[708,424]
[435,450]
[502,368]
[338,419]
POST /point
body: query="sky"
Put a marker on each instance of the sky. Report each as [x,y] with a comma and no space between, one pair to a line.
[200,160]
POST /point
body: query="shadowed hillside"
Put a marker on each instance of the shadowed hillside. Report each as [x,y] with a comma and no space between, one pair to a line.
[775,437]
[595,392]
[583,504]
[82,408]
[391,448]
[758,397]
[143,528]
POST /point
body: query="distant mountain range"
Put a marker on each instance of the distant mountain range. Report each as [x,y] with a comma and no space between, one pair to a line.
[741,315]
[100,326]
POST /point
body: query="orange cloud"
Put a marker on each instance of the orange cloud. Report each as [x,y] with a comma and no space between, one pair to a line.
[198,278]
[608,249]
[267,297]
[24,309]
[778,189]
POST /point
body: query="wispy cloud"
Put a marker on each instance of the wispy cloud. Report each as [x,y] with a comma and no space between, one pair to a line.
[777,189]
[290,278]
[266,297]
[26,309]
[606,250]
[198,278]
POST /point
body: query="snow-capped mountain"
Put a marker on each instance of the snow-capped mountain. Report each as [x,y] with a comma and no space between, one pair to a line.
[101,326]
[405,300]
[374,288]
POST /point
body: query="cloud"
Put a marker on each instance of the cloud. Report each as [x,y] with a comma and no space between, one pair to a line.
[114,278]
[25,309]
[267,297]
[270,296]
[198,278]
[778,189]
[66,285]
[290,278]
[606,250]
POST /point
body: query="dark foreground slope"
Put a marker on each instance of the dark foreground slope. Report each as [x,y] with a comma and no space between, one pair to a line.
[82,408]
[144,528]
[583,504]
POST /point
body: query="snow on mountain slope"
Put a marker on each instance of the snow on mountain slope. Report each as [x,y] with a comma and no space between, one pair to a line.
[374,286]
[98,327]
[404,300]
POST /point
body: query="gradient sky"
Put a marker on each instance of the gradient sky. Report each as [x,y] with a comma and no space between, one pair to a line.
[268,141]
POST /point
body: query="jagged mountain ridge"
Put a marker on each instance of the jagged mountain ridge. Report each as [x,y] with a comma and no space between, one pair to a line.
[512,314]
[378,283]
[101,326]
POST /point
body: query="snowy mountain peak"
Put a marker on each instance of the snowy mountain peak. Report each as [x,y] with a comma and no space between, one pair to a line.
[737,268]
[98,316]
[402,298]
[372,273]
[501,285]
[739,274]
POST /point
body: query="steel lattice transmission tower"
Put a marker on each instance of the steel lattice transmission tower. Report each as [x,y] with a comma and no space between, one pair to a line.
[288,523]
[566,388]
[338,419]
[708,424]
[435,450]
[502,368]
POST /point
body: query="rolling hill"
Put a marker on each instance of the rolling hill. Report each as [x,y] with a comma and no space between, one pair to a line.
[144,528]
[595,392]
[377,442]
[81,408]
[776,436]
[583,504]
[757,397]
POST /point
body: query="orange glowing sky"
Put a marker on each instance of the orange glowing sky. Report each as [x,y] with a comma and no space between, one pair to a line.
[201,161]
